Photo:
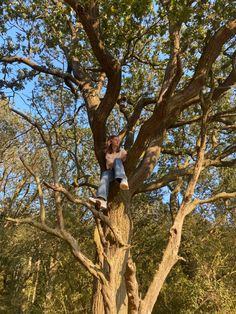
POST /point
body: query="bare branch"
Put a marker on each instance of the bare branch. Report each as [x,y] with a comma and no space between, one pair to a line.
[36,224]
[94,269]
[47,141]
[40,191]
[142,102]
[173,70]
[89,18]
[19,187]
[69,196]
[132,287]
[208,57]
[152,64]
[216,197]
[217,117]
[200,157]
[39,68]
[165,180]
[96,213]
[33,123]
[62,234]
[170,256]
[210,161]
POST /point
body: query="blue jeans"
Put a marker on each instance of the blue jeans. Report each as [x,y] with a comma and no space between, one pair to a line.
[116,173]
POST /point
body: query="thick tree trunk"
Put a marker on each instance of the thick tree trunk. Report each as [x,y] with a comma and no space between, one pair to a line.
[98,303]
[111,297]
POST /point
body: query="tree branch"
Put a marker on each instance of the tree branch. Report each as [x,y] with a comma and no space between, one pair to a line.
[200,160]
[89,17]
[174,68]
[87,263]
[142,102]
[33,123]
[52,157]
[165,114]
[40,191]
[96,213]
[224,87]
[39,68]
[217,117]
[213,48]
[216,197]
[132,287]
[165,180]
[170,256]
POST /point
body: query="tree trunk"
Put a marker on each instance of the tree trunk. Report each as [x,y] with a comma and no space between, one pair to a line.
[37,264]
[111,296]
[98,303]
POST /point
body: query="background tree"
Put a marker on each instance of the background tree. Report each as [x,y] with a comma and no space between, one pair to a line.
[162,78]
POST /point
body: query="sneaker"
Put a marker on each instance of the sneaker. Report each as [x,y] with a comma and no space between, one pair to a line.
[124,184]
[98,202]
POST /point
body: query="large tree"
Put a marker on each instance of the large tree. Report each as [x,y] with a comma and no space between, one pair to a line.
[161,76]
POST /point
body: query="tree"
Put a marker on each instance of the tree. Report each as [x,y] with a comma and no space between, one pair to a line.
[166,71]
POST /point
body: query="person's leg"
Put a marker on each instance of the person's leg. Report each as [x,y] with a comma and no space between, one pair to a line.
[119,173]
[103,189]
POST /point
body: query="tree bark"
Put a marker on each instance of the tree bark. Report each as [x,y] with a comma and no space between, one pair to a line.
[111,296]
[97,303]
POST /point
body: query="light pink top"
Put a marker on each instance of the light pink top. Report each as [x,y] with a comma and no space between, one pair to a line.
[111,157]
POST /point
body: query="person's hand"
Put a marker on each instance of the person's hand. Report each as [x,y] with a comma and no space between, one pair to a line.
[124,155]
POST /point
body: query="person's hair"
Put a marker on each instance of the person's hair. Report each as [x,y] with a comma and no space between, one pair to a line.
[108,148]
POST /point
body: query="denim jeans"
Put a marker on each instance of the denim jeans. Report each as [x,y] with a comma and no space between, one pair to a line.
[116,173]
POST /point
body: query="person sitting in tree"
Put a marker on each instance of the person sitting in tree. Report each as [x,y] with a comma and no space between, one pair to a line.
[114,156]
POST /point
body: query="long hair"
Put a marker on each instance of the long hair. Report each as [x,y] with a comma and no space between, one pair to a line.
[108,147]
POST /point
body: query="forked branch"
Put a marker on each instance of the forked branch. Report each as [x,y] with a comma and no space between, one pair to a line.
[98,214]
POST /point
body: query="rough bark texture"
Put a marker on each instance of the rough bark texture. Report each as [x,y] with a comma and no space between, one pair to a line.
[114,258]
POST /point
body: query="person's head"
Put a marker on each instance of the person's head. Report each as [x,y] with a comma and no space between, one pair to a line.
[113,143]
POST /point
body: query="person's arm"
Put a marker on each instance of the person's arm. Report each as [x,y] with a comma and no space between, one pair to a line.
[109,160]
[123,154]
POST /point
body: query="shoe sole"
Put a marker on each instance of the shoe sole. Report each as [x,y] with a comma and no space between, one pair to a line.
[124,187]
[99,204]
